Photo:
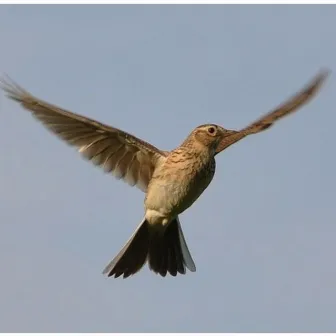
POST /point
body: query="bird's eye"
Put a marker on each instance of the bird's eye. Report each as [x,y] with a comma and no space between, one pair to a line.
[211,130]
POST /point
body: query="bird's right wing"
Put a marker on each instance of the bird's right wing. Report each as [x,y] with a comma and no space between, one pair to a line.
[288,107]
[118,152]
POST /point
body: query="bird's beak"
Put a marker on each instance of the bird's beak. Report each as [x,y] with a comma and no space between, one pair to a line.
[227,133]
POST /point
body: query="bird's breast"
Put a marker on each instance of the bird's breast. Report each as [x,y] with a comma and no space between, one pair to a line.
[177,184]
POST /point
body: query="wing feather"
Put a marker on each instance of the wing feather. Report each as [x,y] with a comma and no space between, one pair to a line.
[117,152]
[268,120]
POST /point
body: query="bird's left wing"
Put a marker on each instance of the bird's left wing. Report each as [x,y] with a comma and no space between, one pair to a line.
[118,152]
[288,107]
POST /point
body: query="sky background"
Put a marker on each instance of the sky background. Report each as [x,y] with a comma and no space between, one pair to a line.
[262,235]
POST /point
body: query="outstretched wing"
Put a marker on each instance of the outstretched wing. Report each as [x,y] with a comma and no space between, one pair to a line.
[118,152]
[265,122]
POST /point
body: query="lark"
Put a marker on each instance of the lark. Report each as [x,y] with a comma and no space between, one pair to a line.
[172,180]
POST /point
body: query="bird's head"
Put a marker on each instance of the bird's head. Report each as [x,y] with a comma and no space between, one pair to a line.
[209,135]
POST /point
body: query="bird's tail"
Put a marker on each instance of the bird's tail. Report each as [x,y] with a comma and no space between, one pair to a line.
[166,252]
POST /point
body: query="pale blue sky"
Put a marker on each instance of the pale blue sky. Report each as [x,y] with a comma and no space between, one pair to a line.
[262,235]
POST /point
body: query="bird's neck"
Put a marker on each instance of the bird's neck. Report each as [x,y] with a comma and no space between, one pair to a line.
[197,147]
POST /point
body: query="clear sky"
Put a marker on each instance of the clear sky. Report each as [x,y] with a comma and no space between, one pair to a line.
[262,235]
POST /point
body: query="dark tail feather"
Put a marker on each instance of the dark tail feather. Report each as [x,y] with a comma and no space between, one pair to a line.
[133,255]
[166,251]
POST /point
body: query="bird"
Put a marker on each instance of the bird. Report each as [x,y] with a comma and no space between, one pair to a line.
[171,180]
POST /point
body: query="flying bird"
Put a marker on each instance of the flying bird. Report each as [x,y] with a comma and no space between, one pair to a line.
[172,180]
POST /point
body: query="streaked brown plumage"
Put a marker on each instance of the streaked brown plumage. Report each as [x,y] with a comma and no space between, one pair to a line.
[172,180]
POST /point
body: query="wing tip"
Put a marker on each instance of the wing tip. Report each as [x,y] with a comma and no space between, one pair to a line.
[11,88]
[320,78]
